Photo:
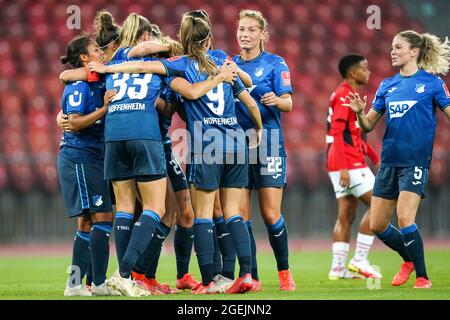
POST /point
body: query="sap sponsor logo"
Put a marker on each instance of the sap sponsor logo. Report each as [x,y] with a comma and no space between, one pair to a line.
[398,109]
[420,88]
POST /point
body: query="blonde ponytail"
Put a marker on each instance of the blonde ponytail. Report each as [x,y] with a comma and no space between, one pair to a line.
[130,27]
[194,32]
[434,55]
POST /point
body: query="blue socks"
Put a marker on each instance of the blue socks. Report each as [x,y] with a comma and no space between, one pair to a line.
[89,275]
[414,246]
[394,240]
[217,258]
[141,236]
[204,248]
[155,248]
[241,242]
[226,248]
[81,258]
[253,247]
[123,227]
[278,238]
[99,246]
[183,242]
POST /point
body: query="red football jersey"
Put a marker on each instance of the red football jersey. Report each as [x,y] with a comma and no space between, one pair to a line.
[344,139]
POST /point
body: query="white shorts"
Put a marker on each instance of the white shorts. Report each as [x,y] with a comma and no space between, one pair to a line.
[361,181]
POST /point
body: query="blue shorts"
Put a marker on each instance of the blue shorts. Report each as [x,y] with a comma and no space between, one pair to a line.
[389,181]
[83,187]
[174,171]
[230,173]
[270,173]
[134,158]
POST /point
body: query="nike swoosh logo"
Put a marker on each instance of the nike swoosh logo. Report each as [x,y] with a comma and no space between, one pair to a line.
[276,176]
[222,235]
[408,243]
[277,235]
[160,237]
[416,183]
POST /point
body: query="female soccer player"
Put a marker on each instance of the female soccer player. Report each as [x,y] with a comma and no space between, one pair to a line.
[351,177]
[80,169]
[267,172]
[124,128]
[409,100]
[214,111]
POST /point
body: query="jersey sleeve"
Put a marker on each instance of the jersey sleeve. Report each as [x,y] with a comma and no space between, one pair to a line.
[378,103]
[170,96]
[120,55]
[441,94]
[77,98]
[220,54]
[340,112]
[176,66]
[238,87]
[281,78]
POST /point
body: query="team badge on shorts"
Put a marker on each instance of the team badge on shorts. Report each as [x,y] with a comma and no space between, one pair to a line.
[97,200]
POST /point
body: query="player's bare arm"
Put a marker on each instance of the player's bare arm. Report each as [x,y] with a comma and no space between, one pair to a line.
[79,122]
[366,122]
[282,103]
[253,109]
[193,91]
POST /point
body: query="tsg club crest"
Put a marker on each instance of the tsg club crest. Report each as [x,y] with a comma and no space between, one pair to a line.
[420,88]
[259,72]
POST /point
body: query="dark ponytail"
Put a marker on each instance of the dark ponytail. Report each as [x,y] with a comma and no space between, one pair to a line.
[106,29]
[78,45]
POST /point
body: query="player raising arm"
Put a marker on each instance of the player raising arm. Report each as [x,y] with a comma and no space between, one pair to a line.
[409,100]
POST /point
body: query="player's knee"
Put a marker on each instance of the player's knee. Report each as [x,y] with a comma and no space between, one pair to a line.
[376,227]
[346,218]
[270,216]
[185,220]
[102,217]
[84,225]
[405,221]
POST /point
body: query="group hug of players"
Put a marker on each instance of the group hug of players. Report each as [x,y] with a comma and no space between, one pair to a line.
[120,95]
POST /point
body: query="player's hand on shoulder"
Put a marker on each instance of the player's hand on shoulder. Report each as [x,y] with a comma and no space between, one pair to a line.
[270,99]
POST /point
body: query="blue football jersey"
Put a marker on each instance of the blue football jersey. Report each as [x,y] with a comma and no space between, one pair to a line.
[269,73]
[132,113]
[170,96]
[83,98]
[213,115]
[410,106]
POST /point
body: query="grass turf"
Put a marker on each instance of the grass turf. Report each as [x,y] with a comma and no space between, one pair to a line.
[44,278]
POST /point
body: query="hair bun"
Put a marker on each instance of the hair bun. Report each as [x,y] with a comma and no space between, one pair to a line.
[103,21]
[64,59]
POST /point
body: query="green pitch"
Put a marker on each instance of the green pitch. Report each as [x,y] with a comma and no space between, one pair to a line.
[44,278]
